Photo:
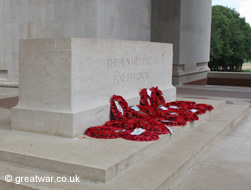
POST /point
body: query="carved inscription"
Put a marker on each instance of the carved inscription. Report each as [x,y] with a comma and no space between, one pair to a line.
[121,63]
[129,62]
[131,77]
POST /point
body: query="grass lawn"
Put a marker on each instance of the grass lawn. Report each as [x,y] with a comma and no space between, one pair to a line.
[248,71]
[246,67]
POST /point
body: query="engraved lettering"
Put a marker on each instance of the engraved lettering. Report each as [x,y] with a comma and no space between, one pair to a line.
[116,79]
[130,62]
[131,77]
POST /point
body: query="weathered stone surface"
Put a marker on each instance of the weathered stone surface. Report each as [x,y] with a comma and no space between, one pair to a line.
[66,84]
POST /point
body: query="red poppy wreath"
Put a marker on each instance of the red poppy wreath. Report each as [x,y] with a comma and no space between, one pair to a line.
[146,121]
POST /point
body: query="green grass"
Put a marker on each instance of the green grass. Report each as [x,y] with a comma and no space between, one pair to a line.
[248,71]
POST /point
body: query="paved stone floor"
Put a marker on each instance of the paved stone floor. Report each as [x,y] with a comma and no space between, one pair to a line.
[231,94]
[227,166]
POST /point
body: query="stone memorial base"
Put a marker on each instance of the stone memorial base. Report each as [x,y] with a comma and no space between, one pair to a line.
[66,84]
[111,164]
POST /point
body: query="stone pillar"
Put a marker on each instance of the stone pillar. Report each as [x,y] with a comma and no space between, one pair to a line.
[186,24]
[66,84]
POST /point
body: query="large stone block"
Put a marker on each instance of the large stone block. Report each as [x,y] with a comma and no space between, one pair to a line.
[66,84]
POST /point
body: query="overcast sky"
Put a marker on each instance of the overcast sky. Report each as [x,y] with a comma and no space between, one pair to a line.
[242,6]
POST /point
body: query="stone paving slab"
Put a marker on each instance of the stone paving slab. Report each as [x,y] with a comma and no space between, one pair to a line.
[227,166]
[215,91]
[16,172]
[163,169]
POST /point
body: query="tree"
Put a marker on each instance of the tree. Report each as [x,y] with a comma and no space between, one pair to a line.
[230,40]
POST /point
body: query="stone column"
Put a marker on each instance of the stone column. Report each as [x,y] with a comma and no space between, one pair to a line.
[186,24]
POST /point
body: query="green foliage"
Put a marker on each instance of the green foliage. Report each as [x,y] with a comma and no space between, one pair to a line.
[230,40]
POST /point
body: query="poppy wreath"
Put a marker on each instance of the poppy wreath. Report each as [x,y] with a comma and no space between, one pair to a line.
[200,110]
[181,121]
[180,104]
[119,114]
[137,114]
[102,132]
[153,114]
[154,125]
[186,114]
[145,136]
[145,109]
[189,117]
[176,110]
[205,107]
[145,100]
[174,121]
[147,120]
[161,114]
[145,112]
[158,96]
[121,124]
[168,115]
[150,111]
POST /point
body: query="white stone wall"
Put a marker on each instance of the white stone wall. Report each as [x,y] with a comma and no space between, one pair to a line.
[124,19]
[28,19]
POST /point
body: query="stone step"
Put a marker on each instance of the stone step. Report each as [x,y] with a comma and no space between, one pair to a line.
[159,171]
[38,180]
[91,159]
[167,166]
